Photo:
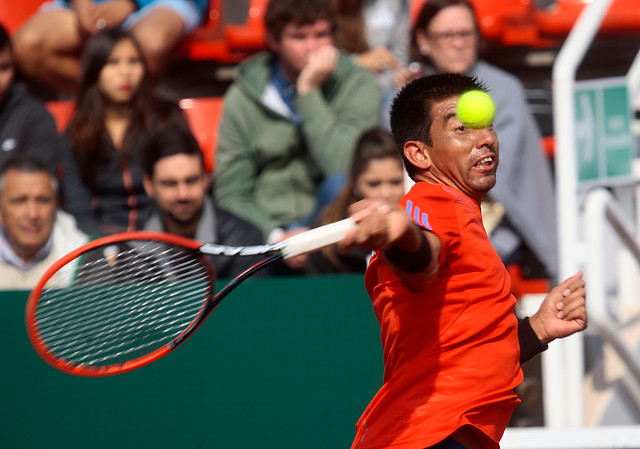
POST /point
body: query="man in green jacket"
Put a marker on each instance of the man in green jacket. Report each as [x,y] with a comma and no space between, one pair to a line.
[290,122]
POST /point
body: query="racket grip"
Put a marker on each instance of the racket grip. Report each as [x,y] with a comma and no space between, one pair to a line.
[316,239]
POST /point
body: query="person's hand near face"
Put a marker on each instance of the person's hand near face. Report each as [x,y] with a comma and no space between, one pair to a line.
[306,53]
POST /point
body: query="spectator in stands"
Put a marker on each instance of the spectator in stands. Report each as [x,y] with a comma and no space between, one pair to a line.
[376,34]
[175,177]
[446,38]
[33,232]
[48,45]
[116,113]
[290,122]
[26,127]
[376,173]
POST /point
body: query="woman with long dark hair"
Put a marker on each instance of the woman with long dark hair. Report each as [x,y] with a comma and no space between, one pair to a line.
[116,112]
[376,172]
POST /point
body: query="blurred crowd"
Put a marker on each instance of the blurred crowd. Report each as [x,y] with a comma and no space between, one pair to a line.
[304,131]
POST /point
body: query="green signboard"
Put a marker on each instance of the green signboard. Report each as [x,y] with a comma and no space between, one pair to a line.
[281,363]
[604,140]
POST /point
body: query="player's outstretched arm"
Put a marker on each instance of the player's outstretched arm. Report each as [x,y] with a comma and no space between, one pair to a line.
[412,251]
[563,312]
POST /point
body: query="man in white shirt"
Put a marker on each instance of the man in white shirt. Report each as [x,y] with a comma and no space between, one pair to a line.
[33,232]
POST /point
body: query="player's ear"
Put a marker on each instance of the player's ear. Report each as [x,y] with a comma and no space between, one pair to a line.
[416,153]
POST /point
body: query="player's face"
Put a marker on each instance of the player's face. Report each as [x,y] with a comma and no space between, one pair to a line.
[27,211]
[461,157]
[121,76]
[382,179]
[451,40]
[7,71]
[297,41]
[179,186]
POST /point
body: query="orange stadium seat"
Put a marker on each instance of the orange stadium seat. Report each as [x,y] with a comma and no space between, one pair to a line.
[250,35]
[62,111]
[207,41]
[203,115]
[623,17]
[14,13]
[226,43]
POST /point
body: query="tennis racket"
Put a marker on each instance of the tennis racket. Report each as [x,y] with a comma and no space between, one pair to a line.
[123,301]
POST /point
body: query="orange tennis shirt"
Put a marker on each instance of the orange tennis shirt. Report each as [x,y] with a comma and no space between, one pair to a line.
[451,352]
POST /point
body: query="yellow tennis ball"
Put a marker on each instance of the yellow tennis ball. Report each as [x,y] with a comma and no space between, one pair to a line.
[475,109]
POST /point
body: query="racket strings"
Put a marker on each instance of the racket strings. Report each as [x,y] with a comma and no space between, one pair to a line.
[118,303]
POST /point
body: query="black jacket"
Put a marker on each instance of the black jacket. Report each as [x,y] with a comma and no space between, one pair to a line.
[27,127]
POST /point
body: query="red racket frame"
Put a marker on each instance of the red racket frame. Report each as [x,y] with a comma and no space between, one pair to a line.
[90,371]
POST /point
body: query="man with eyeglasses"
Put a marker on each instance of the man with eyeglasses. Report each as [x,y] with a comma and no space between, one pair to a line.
[520,210]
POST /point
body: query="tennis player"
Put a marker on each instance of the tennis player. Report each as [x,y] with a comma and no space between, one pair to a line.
[452,344]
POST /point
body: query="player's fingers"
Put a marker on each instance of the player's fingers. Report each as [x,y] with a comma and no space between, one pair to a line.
[576,313]
[573,301]
[572,305]
[565,288]
[573,282]
[362,209]
[370,229]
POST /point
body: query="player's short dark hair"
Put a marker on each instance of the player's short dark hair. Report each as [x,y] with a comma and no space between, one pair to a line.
[169,140]
[281,13]
[411,111]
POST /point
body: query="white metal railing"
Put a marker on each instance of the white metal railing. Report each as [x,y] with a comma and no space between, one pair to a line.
[563,394]
[603,214]
[566,393]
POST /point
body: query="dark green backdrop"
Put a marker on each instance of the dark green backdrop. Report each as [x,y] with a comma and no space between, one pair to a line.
[282,363]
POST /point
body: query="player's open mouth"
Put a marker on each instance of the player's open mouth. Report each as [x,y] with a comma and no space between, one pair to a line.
[484,162]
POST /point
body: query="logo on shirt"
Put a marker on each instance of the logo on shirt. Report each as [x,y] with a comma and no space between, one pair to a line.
[417,216]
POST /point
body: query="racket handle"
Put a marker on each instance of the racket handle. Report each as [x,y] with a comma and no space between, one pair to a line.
[316,239]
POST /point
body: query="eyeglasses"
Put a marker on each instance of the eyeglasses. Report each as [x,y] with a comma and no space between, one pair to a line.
[450,37]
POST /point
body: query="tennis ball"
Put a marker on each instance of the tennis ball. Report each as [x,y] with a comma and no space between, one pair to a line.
[475,109]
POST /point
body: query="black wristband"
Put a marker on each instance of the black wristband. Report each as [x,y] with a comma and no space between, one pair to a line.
[530,344]
[413,262]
